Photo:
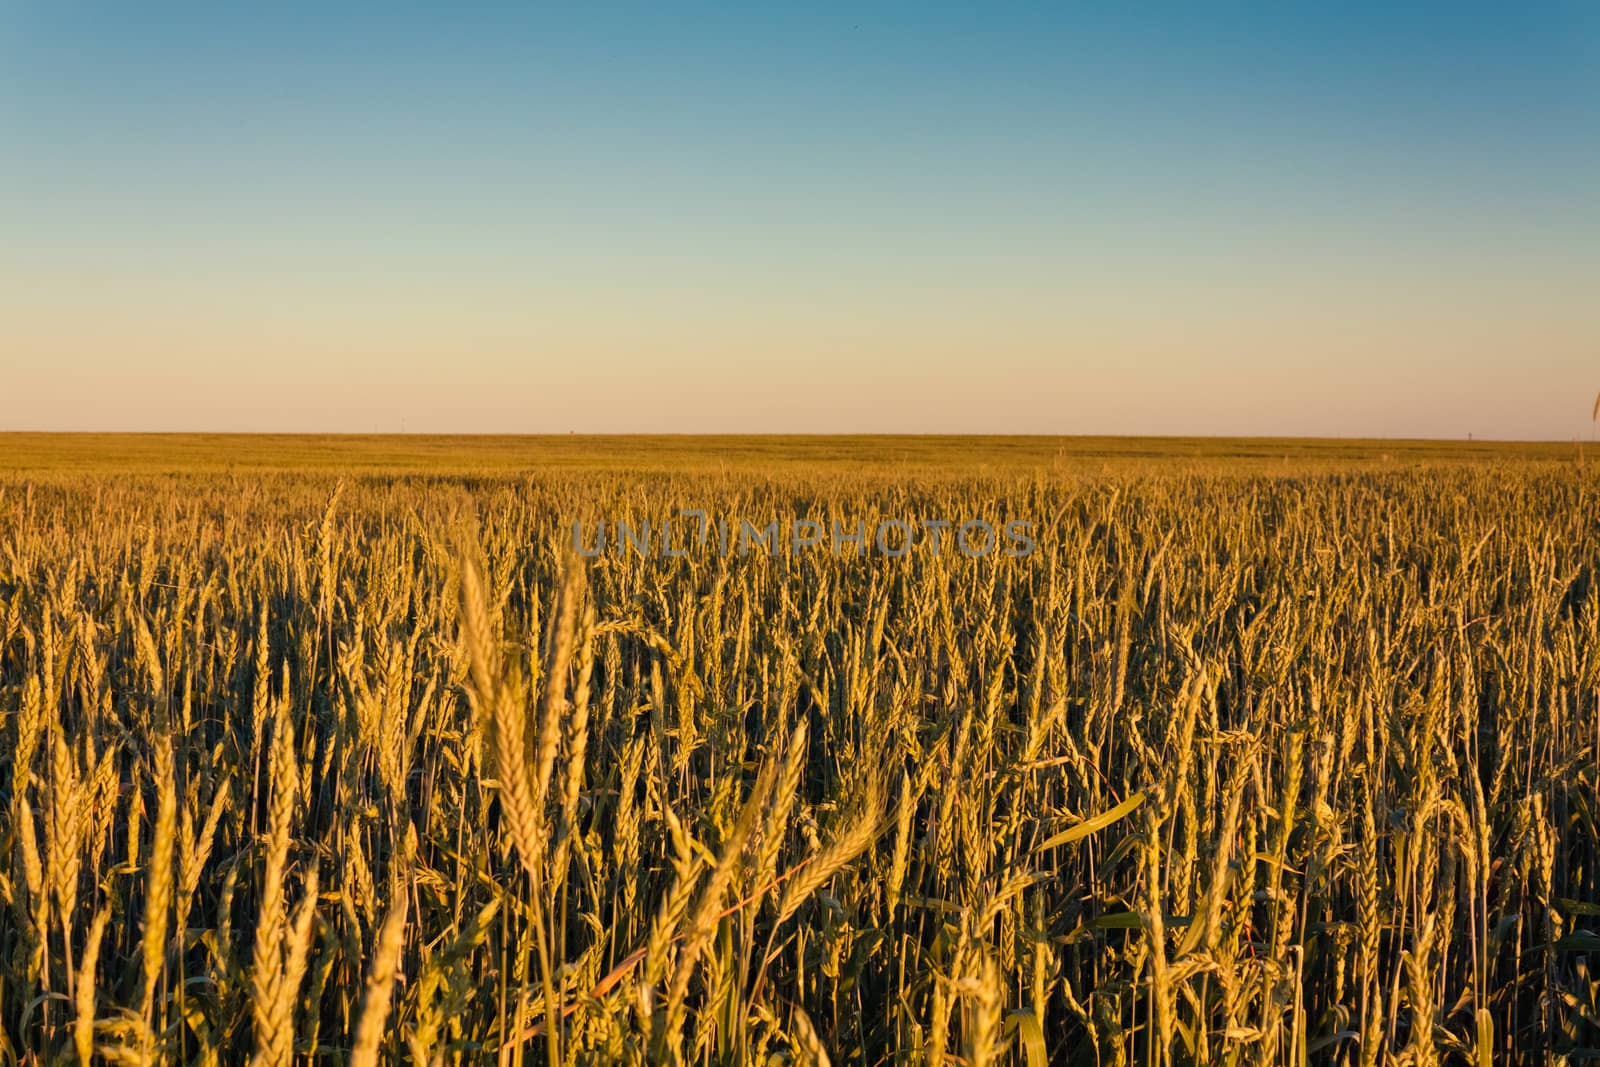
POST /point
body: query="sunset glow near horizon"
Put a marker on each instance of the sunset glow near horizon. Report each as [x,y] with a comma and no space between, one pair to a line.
[1284,220]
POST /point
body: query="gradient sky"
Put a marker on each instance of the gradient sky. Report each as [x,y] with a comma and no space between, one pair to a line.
[1341,219]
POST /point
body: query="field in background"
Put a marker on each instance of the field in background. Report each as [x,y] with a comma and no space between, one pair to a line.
[328,749]
[391,454]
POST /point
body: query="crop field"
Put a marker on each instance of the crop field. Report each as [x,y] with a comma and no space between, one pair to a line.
[340,750]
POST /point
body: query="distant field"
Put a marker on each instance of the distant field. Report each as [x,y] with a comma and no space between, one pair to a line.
[35,452]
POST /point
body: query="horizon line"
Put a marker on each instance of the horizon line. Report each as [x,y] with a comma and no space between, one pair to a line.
[774,434]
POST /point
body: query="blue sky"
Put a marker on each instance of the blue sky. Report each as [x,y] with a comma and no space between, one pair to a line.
[1060,219]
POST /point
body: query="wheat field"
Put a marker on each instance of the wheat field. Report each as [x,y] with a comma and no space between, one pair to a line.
[338,753]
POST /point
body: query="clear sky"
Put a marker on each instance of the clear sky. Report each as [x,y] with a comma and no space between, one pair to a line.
[1340,219]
